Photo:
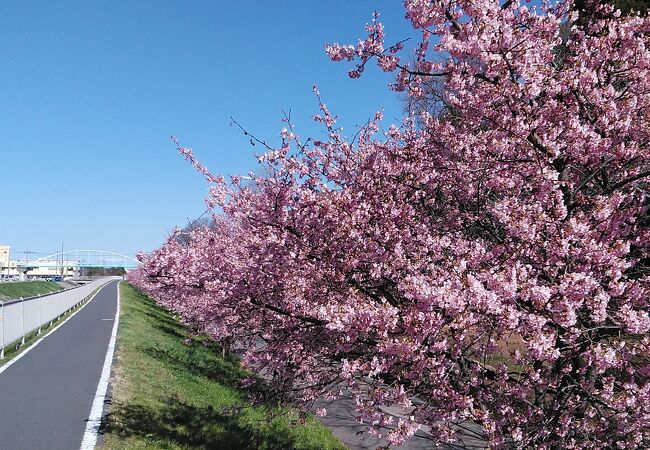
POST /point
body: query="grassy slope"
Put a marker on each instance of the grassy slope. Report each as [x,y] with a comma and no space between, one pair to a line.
[19,289]
[170,394]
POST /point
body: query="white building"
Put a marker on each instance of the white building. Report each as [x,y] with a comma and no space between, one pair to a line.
[34,268]
[5,256]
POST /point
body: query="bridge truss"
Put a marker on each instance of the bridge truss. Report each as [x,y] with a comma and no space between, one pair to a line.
[85,258]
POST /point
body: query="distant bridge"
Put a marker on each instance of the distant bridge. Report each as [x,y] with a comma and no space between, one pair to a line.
[78,259]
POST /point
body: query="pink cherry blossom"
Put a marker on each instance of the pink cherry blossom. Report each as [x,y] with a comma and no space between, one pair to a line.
[483,264]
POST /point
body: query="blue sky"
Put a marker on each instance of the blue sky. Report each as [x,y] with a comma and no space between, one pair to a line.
[91,92]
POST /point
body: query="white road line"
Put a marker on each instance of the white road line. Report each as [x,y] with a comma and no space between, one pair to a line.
[31,347]
[95,419]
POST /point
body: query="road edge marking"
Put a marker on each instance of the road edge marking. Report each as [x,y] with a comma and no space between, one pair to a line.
[31,347]
[91,435]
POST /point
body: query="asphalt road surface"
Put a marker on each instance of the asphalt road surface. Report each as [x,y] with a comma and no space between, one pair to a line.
[340,419]
[45,397]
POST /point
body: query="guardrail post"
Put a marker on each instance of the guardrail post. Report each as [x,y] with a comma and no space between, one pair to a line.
[40,314]
[22,307]
[2,317]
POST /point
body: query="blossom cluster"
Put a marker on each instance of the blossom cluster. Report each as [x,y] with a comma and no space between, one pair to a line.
[485,265]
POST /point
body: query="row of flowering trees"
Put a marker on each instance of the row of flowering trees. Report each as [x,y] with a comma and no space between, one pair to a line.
[489,256]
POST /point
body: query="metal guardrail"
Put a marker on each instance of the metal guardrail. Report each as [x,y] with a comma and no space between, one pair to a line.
[20,317]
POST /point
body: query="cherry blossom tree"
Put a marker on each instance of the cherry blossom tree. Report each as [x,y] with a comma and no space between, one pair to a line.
[486,265]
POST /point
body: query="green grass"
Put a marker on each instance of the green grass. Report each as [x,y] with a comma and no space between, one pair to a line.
[175,393]
[13,290]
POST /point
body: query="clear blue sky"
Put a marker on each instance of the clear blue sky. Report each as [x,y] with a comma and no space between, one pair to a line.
[91,92]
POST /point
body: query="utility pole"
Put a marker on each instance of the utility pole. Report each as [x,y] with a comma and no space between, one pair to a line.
[27,252]
[62,239]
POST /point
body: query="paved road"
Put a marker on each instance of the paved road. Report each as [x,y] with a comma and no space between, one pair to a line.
[341,420]
[45,397]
